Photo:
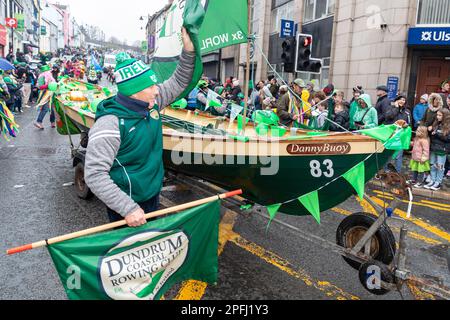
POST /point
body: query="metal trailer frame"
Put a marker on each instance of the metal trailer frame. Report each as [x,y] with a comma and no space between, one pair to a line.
[401,275]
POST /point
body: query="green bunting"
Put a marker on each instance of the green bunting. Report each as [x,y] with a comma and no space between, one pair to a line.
[241,124]
[357,178]
[273,210]
[311,203]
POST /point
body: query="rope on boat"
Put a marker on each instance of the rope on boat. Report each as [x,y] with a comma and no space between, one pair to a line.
[292,92]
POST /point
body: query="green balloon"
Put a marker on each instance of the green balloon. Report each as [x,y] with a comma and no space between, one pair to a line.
[53,87]
[107,92]
[180,104]
[94,104]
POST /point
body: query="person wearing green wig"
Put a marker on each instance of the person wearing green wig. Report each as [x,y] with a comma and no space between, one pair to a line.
[124,165]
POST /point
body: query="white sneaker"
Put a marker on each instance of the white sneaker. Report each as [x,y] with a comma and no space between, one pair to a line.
[436,187]
[428,181]
[428,186]
[419,185]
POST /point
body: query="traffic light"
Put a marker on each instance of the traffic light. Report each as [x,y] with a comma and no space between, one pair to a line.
[288,56]
[304,62]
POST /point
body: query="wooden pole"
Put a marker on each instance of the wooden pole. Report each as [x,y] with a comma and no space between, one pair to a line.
[118,224]
[247,73]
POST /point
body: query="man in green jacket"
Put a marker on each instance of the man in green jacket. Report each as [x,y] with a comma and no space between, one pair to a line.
[124,166]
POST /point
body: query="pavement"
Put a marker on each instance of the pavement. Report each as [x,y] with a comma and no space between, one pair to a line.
[38,202]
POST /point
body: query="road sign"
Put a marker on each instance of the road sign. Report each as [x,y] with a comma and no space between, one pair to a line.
[393,87]
[11,23]
[287,28]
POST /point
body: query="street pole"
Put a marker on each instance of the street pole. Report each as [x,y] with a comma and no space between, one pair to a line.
[247,72]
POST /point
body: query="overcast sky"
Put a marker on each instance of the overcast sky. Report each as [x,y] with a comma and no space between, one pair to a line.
[119,18]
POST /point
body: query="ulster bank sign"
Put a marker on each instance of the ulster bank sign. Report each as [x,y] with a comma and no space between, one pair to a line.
[429,36]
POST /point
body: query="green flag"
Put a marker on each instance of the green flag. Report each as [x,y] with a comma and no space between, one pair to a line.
[311,203]
[187,13]
[141,263]
[226,24]
[401,140]
[212,25]
[382,133]
[357,178]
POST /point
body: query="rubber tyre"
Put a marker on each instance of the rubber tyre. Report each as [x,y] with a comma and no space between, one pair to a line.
[386,276]
[385,240]
[81,188]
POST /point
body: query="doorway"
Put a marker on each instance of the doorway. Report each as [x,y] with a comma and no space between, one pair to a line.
[431,73]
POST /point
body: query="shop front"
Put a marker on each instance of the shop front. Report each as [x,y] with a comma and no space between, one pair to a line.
[3,39]
[429,49]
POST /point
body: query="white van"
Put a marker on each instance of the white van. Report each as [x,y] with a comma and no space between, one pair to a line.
[110,61]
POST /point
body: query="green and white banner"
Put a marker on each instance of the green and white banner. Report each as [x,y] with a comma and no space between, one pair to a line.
[141,263]
[212,25]
[226,24]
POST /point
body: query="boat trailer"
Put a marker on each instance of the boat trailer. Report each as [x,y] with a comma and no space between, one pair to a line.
[365,241]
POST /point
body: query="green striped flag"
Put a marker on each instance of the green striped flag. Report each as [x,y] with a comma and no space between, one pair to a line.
[212,25]
[141,263]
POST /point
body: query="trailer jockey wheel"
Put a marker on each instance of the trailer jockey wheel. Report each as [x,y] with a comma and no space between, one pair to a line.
[81,187]
[372,273]
[353,229]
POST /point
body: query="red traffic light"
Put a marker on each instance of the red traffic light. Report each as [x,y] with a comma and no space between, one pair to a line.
[306,41]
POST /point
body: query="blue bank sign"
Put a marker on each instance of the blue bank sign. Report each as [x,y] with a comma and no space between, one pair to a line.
[429,36]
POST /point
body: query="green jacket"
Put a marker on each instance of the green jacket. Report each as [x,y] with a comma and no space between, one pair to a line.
[368,116]
[138,169]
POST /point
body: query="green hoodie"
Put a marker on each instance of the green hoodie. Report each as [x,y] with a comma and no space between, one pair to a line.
[368,116]
[138,168]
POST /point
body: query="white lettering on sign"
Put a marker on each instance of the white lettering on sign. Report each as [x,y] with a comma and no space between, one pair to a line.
[131,71]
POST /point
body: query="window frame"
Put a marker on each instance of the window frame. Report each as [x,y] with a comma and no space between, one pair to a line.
[418,7]
[328,14]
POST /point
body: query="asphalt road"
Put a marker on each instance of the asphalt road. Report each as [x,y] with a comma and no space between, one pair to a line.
[37,202]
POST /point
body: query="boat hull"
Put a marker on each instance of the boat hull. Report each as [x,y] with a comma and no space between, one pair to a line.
[274,175]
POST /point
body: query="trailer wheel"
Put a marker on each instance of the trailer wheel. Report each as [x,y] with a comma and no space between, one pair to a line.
[81,187]
[354,227]
[372,269]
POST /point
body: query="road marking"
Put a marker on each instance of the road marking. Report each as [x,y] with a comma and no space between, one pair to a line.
[195,290]
[428,227]
[436,203]
[326,287]
[418,294]
[413,235]
[367,207]
[423,203]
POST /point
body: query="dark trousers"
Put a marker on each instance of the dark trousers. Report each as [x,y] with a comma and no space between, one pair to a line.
[148,206]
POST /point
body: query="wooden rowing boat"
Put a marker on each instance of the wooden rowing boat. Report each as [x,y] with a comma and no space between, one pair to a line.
[269,170]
